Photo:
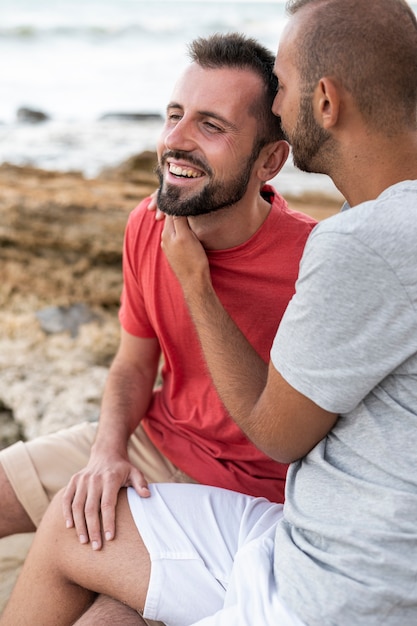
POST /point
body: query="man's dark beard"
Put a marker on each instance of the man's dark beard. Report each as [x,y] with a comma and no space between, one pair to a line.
[213,197]
[307,139]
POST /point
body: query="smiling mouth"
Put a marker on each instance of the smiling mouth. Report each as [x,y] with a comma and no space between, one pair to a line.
[183,172]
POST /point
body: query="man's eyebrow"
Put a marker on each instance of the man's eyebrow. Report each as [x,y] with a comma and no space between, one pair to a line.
[173,105]
[203,113]
[218,117]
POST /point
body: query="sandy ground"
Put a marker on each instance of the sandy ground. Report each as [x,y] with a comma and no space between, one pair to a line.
[12,554]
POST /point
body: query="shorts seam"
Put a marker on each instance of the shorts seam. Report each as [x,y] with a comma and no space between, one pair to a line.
[33,497]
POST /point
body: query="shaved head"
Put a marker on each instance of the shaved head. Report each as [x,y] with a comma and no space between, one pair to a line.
[369,47]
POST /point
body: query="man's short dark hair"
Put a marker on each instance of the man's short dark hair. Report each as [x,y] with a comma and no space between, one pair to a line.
[237,50]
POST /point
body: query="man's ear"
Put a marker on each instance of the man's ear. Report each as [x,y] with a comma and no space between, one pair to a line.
[272,158]
[326,102]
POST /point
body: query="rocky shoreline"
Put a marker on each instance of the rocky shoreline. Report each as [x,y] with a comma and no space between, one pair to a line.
[60,252]
[60,248]
[60,256]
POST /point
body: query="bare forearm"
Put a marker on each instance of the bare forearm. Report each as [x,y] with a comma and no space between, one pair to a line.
[237,370]
[90,497]
[125,400]
[277,418]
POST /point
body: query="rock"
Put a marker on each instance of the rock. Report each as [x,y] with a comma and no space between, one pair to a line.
[61,239]
[138,169]
[31,116]
[61,235]
[9,429]
[132,117]
[50,381]
[58,319]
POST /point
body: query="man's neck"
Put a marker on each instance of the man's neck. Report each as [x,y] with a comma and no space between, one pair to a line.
[364,176]
[231,226]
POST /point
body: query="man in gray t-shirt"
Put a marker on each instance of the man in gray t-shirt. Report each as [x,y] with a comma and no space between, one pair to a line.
[351,509]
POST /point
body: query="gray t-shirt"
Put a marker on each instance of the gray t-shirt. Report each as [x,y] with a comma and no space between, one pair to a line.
[346,552]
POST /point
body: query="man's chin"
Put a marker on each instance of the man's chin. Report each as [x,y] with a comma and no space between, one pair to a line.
[173,202]
[169,211]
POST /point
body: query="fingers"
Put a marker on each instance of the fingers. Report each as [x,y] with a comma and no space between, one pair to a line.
[86,507]
[181,225]
[67,499]
[83,503]
[153,206]
[140,485]
[89,503]
[108,507]
[168,232]
[174,226]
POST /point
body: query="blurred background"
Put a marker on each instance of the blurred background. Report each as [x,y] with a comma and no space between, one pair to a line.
[80,77]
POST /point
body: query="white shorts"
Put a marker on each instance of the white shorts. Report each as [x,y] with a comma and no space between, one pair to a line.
[212,557]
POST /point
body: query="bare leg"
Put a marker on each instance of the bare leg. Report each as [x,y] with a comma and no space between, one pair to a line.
[105,610]
[61,577]
[13,517]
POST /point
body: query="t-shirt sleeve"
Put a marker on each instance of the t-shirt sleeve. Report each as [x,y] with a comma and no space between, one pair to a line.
[133,312]
[347,326]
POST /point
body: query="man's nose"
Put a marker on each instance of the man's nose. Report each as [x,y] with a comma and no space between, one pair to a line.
[181,137]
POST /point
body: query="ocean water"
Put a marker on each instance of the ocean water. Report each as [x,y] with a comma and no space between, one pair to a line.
[77,60]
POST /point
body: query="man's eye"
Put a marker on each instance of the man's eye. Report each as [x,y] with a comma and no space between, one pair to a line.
[212,127]
[174,117]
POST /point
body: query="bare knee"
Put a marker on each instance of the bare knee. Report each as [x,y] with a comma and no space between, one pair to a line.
[13,517]
[121,569]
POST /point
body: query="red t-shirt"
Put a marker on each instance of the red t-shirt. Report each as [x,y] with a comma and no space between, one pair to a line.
[186,419]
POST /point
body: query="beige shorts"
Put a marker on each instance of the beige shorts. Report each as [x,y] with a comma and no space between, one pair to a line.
[39,468]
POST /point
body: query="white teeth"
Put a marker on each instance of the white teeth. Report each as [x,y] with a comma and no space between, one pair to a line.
[179,171]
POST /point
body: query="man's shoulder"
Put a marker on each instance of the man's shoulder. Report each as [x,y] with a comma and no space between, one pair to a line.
[142,220]
[140,211]
[280,206]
